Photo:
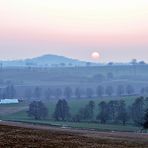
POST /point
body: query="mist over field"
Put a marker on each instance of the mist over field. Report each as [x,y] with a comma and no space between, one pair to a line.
[61,92]
[74,74]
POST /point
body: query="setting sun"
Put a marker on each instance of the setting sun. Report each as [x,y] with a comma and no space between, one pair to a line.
[95,55]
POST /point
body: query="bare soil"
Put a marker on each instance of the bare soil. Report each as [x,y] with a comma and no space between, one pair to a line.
[19,135]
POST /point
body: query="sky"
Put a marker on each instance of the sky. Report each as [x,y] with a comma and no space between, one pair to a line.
[117,29]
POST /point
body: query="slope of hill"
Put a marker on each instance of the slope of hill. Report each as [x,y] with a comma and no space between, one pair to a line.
[45,60]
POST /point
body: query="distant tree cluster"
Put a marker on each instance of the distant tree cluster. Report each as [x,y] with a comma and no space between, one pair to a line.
[8,92]
[117,111]
[62,111]
[144,90]
[113,112]
[85,113]
[135,62]
[37,110]
[145,123]
[39,93]
[100,77]
[79,93]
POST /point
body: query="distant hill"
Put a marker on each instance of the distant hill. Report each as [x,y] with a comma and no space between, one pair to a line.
[46,61]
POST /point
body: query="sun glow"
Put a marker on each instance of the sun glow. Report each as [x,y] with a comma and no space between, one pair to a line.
[115,27]
[95,55]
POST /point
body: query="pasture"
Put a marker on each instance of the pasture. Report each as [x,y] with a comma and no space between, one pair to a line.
[82,77]
[18,112]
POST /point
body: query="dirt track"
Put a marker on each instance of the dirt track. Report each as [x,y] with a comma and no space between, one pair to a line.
[25,135]
[9,110]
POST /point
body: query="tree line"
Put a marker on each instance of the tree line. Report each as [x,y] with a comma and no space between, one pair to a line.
[108,112]
[11,92]
[68,92]
[8,92]
[78,92]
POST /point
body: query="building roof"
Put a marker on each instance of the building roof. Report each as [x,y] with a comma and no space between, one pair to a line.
[8,101]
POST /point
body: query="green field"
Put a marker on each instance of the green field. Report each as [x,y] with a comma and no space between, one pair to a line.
[82,77]
[75,105]
[82,125]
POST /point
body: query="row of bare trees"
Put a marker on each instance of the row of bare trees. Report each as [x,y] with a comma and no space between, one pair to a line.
[112,112]
[68,92]
[78,93]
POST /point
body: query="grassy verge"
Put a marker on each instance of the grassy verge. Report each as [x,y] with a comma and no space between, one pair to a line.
[81,125]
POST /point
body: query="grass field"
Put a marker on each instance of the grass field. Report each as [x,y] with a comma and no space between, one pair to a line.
[82,125]
[75,105]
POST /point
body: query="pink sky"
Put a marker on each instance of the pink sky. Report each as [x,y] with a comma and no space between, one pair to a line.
[117,29]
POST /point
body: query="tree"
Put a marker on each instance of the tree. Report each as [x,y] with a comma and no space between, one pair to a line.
[146,89]
[82,113]
[138,110]
[28,93]
[1,66]
[58,110]
[68,92]
[89,92]
[70,64]
[90,108]
[37,110]
[120,90]
[58,93]
[130,89]
[145,123]
[9,92]
[142,90]
[48,94]
[122,112]
[110,76]
[103,115]
[88,64]
[99,77]
[66,110]
[109,90]
[134,61]
[142,63]
[37,92]
[100,91]
[78,93]
[1,93]
[62,64]
[113,110]
[87,113]
[110,64]
[146,103]
[62,111]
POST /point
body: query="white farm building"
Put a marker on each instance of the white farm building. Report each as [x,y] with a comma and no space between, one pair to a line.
[9,101]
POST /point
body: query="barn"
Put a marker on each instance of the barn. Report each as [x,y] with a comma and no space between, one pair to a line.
[9,101]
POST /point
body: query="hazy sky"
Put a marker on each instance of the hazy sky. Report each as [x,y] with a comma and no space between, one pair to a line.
[117,29]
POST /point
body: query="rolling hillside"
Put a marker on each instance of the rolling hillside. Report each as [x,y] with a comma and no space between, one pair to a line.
[46,61]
